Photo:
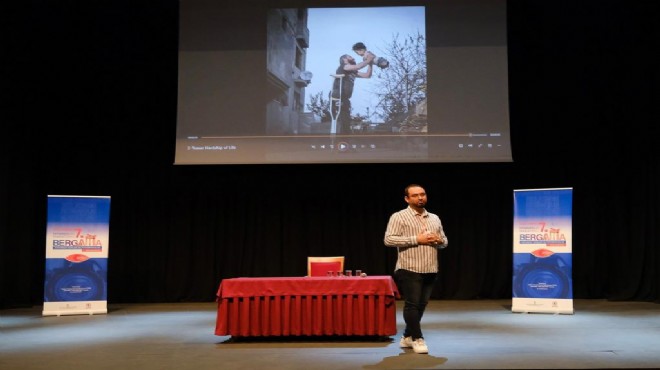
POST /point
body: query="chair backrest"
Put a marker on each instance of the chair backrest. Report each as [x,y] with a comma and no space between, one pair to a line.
[319,266]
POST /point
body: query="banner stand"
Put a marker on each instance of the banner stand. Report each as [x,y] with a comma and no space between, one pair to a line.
[77,241]
[542,251]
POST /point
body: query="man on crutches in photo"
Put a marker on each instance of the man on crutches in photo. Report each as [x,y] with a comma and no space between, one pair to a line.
[342,90]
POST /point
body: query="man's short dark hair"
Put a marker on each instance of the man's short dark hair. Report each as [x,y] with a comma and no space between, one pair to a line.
[359,46]
[405,191]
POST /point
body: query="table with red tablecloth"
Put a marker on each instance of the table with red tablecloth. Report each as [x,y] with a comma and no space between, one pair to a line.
[305,306]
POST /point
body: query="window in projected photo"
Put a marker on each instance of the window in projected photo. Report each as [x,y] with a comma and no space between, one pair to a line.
[342,85]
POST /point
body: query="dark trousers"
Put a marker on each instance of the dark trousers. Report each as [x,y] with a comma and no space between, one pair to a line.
[416,290]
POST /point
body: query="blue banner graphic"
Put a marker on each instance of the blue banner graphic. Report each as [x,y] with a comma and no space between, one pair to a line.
[542,251]
[77,241]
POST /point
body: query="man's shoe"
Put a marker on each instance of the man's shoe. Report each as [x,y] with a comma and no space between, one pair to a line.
[419,346]
[406,342]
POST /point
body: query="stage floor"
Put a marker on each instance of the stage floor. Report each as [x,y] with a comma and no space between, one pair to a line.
[479,334]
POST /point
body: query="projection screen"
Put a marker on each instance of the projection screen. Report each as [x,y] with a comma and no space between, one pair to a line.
[265,82]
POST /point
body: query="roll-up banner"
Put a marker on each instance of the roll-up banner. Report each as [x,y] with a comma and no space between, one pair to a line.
[77,241]
[542,251]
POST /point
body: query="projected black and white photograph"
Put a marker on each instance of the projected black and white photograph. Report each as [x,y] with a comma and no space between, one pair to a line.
[347,70]
[376,82]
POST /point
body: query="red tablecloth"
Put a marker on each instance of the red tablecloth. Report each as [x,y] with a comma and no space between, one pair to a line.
[307,306]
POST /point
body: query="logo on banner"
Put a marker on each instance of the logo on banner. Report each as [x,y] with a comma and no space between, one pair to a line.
[538,233]
[74,238]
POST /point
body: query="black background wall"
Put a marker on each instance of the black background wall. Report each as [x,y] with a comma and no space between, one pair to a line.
[92,111]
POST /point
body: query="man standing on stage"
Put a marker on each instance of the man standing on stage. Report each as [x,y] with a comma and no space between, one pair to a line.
[417,234]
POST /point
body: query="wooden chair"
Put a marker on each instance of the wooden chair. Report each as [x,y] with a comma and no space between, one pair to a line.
[319,266]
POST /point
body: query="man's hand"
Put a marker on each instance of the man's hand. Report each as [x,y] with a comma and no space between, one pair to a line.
[429,238]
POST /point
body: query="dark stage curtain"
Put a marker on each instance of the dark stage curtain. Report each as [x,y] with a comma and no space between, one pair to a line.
[93,109]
